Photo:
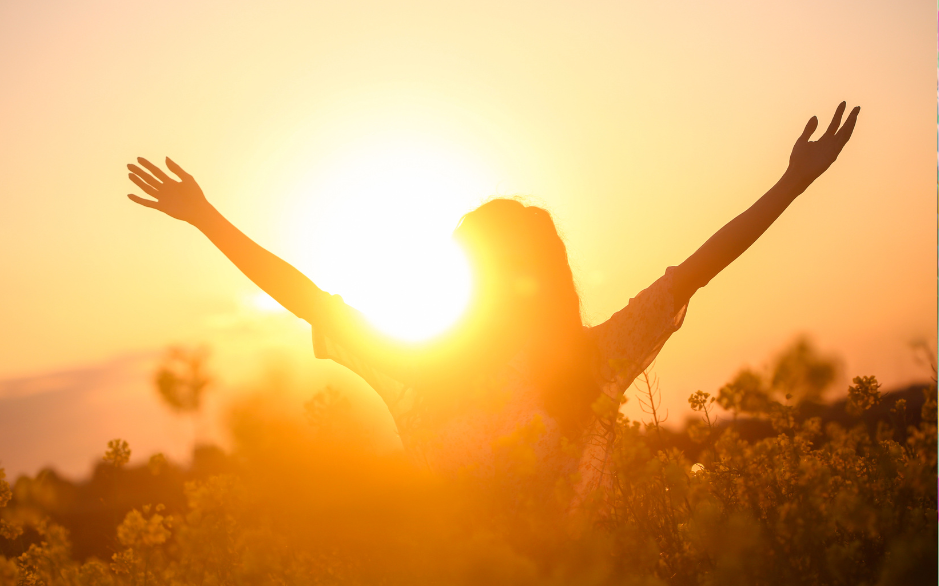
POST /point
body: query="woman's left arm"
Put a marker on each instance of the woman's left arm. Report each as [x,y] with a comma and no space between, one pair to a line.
[807,162]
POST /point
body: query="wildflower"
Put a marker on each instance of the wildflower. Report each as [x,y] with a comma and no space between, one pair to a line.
[864,394]
[142,530]
[700,400]
[118,453]
[157,463]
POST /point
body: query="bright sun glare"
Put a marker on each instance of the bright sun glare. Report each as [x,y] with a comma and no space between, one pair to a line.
[375,226]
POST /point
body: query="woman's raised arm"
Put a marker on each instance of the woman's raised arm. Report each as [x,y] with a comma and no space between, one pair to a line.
[807,162]
[184,200]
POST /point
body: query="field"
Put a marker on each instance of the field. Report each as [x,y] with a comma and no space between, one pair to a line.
[770,485]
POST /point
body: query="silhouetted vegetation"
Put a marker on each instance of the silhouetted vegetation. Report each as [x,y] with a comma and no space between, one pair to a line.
[776,488]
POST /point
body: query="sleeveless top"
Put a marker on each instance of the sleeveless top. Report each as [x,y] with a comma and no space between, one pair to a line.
[510,426]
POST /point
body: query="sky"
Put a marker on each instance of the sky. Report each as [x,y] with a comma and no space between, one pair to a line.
[349,138]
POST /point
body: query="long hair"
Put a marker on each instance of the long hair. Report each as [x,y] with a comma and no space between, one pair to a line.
[525,296]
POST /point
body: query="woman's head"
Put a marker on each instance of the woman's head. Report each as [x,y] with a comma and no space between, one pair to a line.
[525,295]
[520,265]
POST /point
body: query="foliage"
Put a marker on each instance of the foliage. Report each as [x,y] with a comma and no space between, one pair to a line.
[118,453]
[181,379]
[312,502]
[800,374]
[864,394]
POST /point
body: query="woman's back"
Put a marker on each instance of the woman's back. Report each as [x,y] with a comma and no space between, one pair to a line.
[499,422]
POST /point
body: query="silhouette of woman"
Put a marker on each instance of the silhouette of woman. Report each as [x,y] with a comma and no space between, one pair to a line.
[520,365]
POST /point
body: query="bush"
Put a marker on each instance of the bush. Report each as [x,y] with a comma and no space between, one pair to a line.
[313,503]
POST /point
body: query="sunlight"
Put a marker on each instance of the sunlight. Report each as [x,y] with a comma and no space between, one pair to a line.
[377,224]
[263,302]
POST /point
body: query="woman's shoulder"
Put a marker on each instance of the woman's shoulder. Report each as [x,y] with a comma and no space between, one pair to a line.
[634,335]
[655,303]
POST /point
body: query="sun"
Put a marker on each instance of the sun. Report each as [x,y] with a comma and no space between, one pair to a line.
[374,225]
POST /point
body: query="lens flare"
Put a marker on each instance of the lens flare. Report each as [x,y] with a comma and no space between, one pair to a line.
[375,225]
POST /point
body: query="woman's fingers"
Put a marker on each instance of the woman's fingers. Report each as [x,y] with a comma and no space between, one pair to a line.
[809,129]
[176,169]
[146,187]
[149,179]
[157,172]
[845,133]
[836,120]
[147,203]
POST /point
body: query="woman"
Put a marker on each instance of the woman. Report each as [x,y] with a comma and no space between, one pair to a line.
[520,383]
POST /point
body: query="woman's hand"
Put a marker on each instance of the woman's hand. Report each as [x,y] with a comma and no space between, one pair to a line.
[181,199]
[810,159]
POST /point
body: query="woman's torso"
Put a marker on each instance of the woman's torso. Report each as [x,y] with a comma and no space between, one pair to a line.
[499,424]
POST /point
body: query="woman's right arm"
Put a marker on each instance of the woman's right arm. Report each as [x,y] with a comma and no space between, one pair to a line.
[184,200]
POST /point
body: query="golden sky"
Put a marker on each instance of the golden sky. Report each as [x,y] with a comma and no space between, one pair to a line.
[334,132]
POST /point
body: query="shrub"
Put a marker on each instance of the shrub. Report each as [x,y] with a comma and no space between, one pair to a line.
[311,503]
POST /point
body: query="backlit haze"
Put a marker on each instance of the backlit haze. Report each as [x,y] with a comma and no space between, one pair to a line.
[350,137]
